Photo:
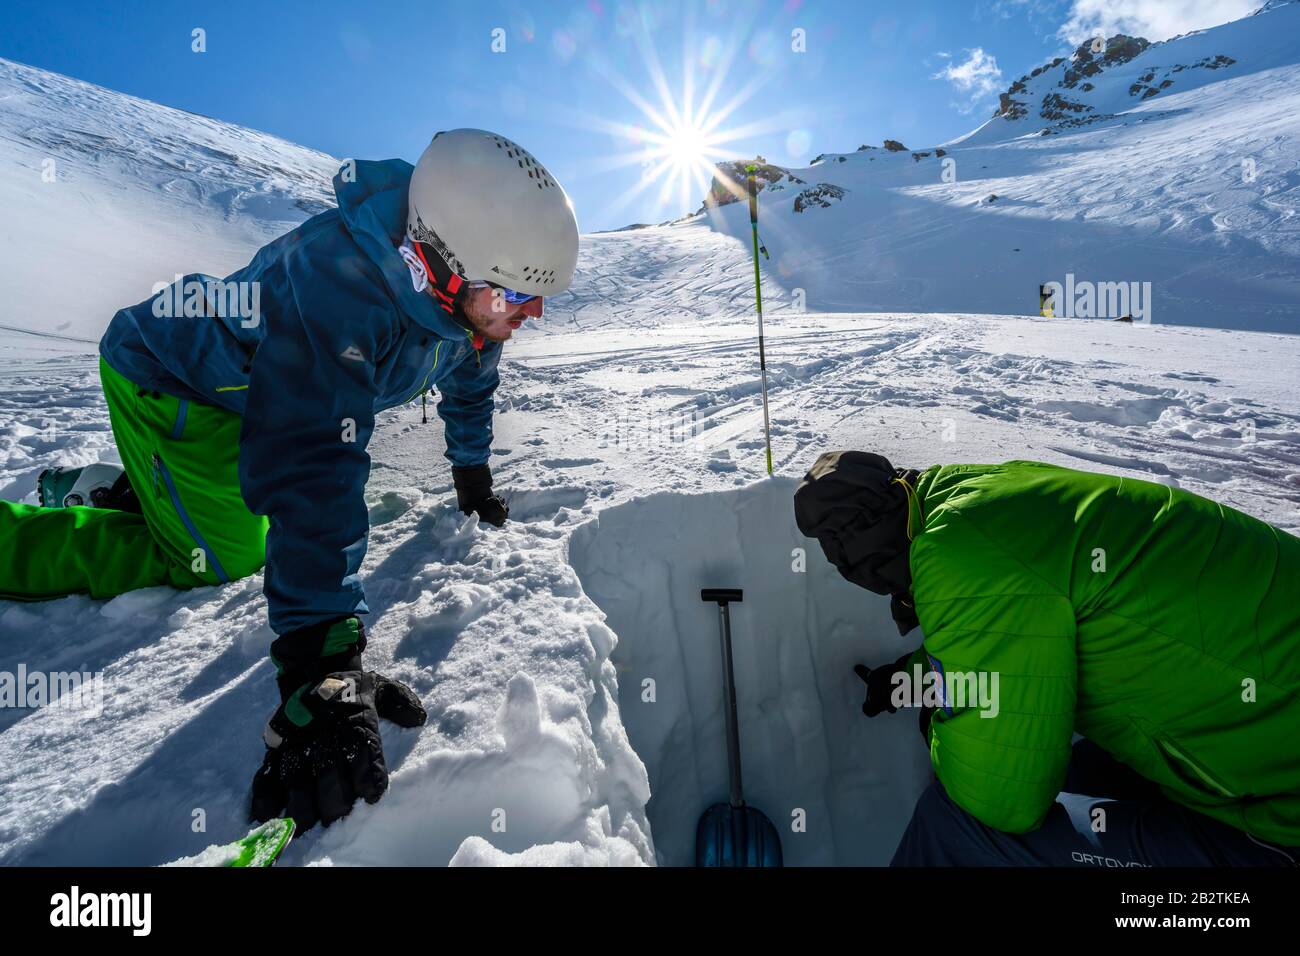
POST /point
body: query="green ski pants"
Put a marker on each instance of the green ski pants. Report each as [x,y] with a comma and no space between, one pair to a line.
[183,459]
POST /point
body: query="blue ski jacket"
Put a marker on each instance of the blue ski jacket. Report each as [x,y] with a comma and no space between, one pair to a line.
[338,334]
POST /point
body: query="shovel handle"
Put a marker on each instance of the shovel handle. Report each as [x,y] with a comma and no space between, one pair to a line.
[723,597]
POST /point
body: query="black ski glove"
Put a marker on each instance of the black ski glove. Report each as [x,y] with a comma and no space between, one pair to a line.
[323,746]
[880,685]
[474,494]
[880,690]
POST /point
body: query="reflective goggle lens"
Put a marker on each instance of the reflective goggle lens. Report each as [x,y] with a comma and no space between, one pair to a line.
[510,295]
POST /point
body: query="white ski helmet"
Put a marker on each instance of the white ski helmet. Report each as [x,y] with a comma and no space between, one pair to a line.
[492,212]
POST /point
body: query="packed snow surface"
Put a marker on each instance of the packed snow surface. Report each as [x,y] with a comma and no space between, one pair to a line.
[570,671]
[634,466]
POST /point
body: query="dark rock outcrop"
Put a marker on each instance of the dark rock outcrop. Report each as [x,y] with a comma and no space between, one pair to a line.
[731,186]
[1056,107]
[1146,87]
[1119,49]
[1083,64]
[823,194]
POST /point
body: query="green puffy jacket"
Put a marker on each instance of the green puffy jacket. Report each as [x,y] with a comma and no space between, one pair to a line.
[1160,625]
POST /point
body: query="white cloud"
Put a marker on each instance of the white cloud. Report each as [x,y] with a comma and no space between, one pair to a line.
[977,76]
[1152,19]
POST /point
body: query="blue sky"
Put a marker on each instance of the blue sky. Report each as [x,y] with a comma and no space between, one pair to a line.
[574,81]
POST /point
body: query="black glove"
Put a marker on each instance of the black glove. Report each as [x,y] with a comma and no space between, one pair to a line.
[880,685]
[323,744]
[474,494]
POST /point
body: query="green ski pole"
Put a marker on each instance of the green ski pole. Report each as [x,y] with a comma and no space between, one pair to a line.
[758,299]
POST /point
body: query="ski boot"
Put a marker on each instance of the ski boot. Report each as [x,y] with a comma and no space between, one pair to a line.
[101,485]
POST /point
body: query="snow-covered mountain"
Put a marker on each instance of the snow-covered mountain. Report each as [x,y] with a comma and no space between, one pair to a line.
[629,442]
[1173,163]
[105,194]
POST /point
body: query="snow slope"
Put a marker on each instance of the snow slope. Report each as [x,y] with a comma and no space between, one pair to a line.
[105,194]
[1194,189]
[629,442]
[1192,186]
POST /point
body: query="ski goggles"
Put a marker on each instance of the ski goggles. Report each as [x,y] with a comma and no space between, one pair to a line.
[510,295]
[427,256]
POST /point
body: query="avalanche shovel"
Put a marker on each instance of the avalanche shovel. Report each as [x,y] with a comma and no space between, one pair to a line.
[732,834]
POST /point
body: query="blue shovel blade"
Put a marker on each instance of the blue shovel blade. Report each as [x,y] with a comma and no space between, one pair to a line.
[736,836]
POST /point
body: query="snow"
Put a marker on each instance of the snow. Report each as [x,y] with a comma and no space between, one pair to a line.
[121,193]
[629,441]
[805,748]
[524,643]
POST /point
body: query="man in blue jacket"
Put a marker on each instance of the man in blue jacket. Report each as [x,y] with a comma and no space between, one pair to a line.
[242,409]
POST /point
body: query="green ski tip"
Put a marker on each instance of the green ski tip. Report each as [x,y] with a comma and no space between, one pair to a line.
[262,846]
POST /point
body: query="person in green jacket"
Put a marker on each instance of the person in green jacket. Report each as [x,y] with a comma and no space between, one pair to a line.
[1162,627]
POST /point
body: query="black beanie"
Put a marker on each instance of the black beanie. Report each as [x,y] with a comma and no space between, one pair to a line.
[851,503]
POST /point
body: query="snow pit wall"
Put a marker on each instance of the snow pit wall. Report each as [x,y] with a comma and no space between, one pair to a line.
[806,749]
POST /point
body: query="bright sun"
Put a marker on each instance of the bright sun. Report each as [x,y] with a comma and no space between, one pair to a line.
[680,136]
[687,146]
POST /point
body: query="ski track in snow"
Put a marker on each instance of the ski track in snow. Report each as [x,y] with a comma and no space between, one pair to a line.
[513,659]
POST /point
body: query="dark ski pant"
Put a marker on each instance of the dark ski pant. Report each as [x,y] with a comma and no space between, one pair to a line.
[183,461]
[1142,828]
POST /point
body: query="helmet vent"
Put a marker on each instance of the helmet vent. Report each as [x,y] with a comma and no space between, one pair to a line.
[525,160]
[540,276]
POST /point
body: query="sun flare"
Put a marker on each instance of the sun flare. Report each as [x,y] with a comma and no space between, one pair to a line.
[680,135]
[687,146]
